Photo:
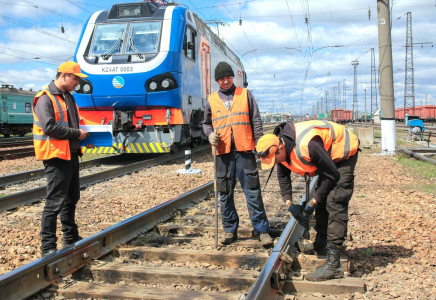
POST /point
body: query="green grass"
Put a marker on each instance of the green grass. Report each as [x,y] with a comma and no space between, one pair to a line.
[2,195]
[421,169]
[361,196]
[416,167]
[367,252]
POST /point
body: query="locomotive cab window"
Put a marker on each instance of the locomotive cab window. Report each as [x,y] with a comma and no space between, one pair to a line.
[27,108]
[143,37]
[189,45]
[108,38]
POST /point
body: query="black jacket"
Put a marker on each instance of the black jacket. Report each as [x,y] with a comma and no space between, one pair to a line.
[329,174]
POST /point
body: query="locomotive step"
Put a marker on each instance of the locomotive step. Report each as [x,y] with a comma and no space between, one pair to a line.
[85,290]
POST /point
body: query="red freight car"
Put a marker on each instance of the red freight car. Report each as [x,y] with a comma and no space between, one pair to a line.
[425,112]
[347,116]
[338,115]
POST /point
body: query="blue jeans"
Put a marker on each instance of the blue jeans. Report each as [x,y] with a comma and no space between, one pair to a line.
[241,165]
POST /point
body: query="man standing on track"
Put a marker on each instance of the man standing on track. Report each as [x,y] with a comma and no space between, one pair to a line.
[233,113]
[57,137]
[316,148]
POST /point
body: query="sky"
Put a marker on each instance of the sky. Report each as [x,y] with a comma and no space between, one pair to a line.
[294,51]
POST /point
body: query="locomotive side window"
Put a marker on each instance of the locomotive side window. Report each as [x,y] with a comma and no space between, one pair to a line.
[108,37]
[27,107]
[189,44]
[144,37]
[14,105]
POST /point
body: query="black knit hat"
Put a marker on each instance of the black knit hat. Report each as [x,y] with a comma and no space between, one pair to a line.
[223,69]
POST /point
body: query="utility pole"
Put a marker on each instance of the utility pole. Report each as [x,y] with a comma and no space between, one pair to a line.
[365,105]
[374,106]
[386,78]
[334,97]
[339,94]
[355,63]
[425,98]
[344,94]
[326,103]
[409,84]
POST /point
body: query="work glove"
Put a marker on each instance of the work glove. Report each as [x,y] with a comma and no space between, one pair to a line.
[214,138]
[297,213]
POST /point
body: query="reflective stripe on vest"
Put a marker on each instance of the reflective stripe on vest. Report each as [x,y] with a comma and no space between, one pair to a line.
[237,120]
[337,140]
[47,147]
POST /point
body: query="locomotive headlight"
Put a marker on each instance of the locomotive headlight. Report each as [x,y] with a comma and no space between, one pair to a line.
[77,88]
[86,88]
[152,85]
[166,82]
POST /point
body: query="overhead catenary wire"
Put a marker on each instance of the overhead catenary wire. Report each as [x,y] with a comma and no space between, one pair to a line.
[35,28]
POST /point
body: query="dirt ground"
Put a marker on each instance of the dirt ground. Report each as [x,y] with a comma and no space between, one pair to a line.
[393,229]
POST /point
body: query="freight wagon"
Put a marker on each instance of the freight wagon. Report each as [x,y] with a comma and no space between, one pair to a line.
[425,112]
[16,117]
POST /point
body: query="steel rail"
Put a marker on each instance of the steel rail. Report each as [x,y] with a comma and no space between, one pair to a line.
[17,199]
[16,150]
[15,143]
[31,278]
[270,282]
[38,173]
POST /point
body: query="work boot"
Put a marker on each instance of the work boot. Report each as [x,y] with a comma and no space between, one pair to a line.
[265,239]
[229,238]
[68,243]
[48,252]
[330,269]
[319,246]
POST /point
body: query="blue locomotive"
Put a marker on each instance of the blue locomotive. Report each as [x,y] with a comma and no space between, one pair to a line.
[150,68]
[16,117]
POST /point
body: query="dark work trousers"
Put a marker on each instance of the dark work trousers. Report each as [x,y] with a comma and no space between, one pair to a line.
[241,165]
[332,216]
[63,193]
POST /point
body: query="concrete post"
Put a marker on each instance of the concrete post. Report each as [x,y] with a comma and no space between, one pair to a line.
[386,78]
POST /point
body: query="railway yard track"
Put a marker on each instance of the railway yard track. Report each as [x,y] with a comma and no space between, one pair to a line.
[167,252]
[16,142]
[16,194]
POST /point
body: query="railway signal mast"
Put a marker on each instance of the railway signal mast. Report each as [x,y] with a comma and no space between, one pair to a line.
[355,63]
[374,106]
[409,81]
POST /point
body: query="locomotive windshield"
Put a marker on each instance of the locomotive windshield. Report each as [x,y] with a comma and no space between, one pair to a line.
[109,39]
[144,37]
[108,36]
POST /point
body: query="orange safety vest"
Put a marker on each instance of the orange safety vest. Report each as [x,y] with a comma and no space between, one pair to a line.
[338,142]
[47,147]
[237,120]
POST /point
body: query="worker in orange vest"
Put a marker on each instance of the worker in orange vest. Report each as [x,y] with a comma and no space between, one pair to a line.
[314,148]
[57,137]
[232,123]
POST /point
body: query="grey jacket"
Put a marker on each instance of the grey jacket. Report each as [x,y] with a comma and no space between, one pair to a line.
[45,112]
[255,120]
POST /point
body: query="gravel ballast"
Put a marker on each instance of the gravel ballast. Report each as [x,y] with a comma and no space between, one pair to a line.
[392,225]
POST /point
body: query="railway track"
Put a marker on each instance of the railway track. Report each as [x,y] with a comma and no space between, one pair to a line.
[15,153]
[168,252]
[15,142]
[23,196]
